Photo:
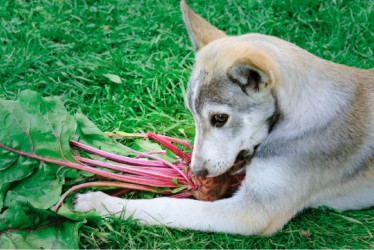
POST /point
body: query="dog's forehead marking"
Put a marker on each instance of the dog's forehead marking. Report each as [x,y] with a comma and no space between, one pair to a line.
[213,91]
[217,91]
[203,90]
[194,85]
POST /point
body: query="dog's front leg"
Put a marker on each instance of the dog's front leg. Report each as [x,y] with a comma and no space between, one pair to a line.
[240,214]
[228,215]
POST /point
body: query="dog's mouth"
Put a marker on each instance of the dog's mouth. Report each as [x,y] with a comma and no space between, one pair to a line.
[224,185]
[242,159]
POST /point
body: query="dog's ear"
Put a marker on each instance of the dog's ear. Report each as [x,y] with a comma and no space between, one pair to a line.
[200,31]
[249,76]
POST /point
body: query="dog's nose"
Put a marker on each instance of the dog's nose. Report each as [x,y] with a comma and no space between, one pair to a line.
[202,172]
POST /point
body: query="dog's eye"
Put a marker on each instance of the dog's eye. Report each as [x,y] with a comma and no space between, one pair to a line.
[219,120]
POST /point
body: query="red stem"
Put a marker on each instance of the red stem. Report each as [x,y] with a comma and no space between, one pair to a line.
[166,143]
[155,172]
[104,184]
[114,157]
[126,178]
[190,183]
[175,140]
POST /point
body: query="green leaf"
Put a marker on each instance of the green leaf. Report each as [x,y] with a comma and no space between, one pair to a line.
[29,188]
[91,216]
[175,181]
[178,189]
[65,236]
[36,125]
[161,189]
[41,190]
[23,215]
[39,126]
[22,168]
[9,159]
[60,236]
[39,228]
[88,133]
[15,240]
[3,188]
[114,78]
[145,145]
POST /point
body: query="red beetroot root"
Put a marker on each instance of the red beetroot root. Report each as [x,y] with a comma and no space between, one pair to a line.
[215,188]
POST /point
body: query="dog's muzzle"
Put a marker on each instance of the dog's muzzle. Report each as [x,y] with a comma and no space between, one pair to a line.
[242,159]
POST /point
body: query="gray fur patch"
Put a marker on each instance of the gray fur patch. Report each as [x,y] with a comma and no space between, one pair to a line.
[325,147]
[221,91]
[244,77]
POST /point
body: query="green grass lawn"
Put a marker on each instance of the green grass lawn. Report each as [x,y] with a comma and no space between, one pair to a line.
[65,48]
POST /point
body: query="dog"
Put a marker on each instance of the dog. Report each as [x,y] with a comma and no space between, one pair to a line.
[302,125]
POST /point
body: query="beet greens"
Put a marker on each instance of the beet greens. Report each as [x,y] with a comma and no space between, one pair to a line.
[44,150]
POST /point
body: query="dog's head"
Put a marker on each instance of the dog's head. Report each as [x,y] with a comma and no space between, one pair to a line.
[230,95]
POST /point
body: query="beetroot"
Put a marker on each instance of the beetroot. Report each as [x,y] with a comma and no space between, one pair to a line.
[214,188]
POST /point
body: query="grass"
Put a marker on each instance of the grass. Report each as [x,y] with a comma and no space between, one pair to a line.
[65,47]
[317,228]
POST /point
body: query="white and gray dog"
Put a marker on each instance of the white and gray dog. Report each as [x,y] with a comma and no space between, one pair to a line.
[307,124]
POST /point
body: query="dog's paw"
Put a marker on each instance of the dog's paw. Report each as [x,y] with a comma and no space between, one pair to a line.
[91,200]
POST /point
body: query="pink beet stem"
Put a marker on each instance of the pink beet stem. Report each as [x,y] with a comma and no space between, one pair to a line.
[117,158]
[167,144]
[155,172]
[178,169]
[126,178]
[161,162]
[104,184]
[167,170]
[178,141]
